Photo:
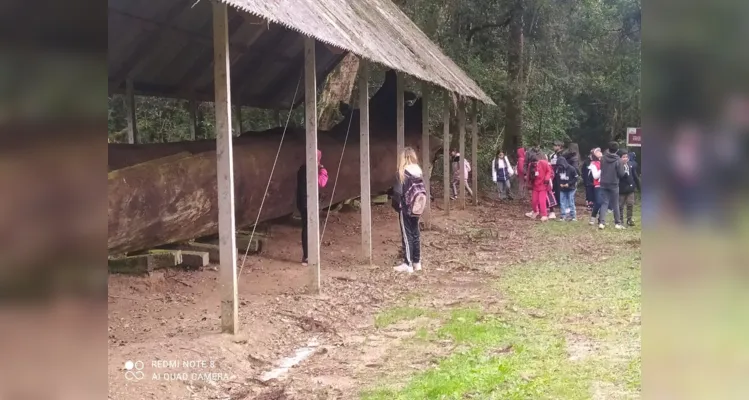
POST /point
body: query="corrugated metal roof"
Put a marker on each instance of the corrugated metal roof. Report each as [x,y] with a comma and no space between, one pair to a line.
[166,46]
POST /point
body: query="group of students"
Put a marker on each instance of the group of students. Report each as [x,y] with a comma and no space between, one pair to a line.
[610,179]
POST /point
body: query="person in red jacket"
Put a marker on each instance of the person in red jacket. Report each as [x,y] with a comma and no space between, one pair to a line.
[539,178]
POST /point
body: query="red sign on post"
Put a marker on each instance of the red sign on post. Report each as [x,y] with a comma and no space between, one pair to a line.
[634,137]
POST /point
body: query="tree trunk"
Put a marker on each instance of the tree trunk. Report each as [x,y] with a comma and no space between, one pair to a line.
[164,193]
[338,88]
[514,98]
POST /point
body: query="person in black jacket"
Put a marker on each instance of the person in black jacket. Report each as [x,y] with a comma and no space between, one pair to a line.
[567,188]
[627,186]
[612,170]
[409,172]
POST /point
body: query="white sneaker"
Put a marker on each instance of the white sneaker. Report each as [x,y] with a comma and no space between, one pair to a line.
[619,226]
[552,216]
[404,268]
[531,215]
[601,226]
[592,220]
[544,219]
[417,266]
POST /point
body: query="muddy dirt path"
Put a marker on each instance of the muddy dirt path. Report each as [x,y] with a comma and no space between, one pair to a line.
[167,324]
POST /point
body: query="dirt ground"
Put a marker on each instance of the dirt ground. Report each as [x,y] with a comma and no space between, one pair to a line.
[167,324]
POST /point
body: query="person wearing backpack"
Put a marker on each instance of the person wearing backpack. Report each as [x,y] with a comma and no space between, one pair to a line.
[501,173]
[409,200]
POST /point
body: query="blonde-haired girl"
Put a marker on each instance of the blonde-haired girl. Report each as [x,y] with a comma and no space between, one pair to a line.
[409,174]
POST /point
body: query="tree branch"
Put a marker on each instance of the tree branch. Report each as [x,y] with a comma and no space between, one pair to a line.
[480,28]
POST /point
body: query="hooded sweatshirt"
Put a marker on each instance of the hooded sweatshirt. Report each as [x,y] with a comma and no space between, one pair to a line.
[630,181]
[301,182]
[411,173]
[521,162]
[501,169]
[542,174]
[612,170]
[567,175]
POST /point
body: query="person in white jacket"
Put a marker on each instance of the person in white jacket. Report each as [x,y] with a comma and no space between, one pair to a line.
[501,173]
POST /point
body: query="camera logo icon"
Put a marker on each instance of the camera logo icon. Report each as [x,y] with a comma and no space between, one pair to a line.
[134,370]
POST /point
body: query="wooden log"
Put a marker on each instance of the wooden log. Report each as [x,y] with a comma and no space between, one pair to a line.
[171,201]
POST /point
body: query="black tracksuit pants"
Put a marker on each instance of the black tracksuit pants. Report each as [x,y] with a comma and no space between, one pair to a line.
[305,250]
[410,238]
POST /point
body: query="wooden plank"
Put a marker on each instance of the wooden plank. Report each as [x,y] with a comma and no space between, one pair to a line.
[310,116]
[192,108]
[364,163]
[132,127]
[475,152]
[400,106]
[225,172]
[426,160]
[446,152]
[462,151]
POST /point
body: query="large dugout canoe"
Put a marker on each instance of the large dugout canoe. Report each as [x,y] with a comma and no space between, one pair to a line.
[170,193]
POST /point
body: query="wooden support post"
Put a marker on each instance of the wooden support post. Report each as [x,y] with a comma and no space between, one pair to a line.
[225,172]
[400,105]
[462,150]
[364,164]
[475,152]
[238,112]
[426,160]
[310,116]
[132,127]
[446,151]
[192,108]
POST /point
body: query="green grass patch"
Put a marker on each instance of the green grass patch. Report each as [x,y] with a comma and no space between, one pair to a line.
[571,329]
[398,314]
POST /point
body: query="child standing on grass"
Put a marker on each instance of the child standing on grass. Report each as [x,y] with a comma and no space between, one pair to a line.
[501,173]
[567,187]
[539,178]
[595,175]
[627,185]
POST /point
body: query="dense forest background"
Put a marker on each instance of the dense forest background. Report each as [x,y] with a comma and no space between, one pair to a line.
[557,69]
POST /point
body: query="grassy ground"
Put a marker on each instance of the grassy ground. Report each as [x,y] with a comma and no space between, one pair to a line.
[569,327]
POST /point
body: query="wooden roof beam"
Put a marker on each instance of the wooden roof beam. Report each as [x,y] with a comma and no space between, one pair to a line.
[146,39]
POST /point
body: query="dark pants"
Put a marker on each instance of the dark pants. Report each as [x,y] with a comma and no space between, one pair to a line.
[609,198]
[596,201]
[627,199]
[590,194]
[410,238]
[304,234]
[555,189]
